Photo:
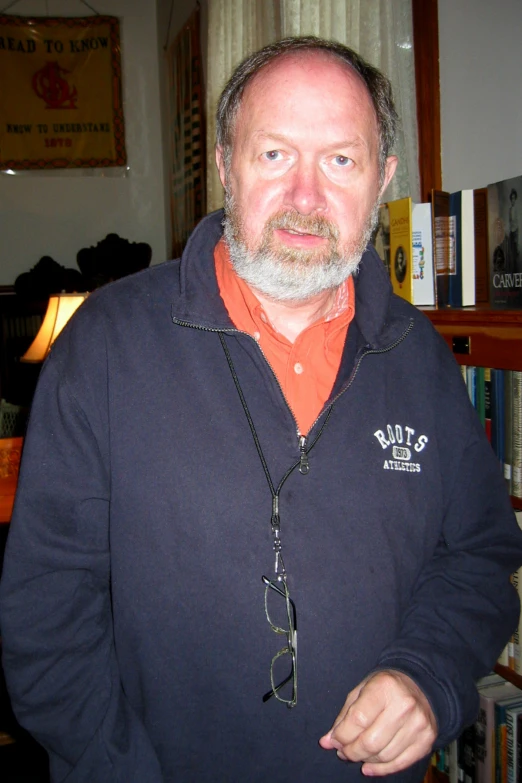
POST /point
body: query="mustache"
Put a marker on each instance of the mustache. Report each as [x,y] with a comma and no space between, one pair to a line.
[307,224]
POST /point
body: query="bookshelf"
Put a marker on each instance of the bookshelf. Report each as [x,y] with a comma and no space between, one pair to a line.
[482,337]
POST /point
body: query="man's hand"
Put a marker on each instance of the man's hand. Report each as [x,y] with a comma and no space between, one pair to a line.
[386,722]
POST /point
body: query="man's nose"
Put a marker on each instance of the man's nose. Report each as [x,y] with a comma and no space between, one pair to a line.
[305,191]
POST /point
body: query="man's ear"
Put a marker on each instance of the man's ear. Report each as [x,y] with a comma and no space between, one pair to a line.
[220,163]
[389,170]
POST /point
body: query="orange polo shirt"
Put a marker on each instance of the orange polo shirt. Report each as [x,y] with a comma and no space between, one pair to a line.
[305,369]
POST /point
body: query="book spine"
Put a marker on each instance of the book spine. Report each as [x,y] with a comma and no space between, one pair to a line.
[514,643]
[511,728]
[471,383]
[500,744]
[508,428]
[497,414]
[518,583]
[481,411]
[441,244]
[516,470]
[468,754]
[455,225]
[480,221]
[487,402]
[518,774]
[484,746]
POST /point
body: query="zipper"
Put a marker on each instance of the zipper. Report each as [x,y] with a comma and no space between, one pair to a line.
[304,465]
[238,331]
[365,352]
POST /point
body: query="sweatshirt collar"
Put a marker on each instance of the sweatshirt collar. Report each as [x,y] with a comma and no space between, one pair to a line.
[200,304]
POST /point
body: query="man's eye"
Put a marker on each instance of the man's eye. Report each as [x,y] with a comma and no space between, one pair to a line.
[342,160]
[272,155]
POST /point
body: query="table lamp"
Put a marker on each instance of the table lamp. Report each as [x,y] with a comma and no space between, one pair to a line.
[59,310]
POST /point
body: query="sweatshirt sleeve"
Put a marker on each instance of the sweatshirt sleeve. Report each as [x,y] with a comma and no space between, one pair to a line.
[464,607]
[55,610]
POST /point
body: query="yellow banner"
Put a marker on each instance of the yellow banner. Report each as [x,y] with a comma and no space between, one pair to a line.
[60,95]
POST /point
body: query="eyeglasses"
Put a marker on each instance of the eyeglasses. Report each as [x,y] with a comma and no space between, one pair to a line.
[281,614]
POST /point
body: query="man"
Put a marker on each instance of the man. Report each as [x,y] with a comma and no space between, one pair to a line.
[217,451]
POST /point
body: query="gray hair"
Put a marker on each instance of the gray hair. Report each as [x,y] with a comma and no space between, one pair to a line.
[378,86]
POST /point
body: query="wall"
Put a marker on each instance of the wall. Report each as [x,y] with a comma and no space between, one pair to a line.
[58,215]
[481,91]
[481,115]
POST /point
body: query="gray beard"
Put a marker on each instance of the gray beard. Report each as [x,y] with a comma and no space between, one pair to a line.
[287,274]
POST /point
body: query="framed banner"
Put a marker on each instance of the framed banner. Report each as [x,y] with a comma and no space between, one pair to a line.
[60,101]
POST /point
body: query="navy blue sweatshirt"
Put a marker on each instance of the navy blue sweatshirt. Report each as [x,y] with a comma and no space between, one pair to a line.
[136,647]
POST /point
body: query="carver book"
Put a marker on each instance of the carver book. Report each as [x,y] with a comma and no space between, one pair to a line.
[505,253]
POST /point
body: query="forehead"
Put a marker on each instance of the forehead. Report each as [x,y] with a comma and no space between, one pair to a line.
[306,90]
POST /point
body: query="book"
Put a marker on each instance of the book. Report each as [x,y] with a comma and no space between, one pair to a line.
[462,249]
[487,402]
[508,427]
[501,752]
[400,247]
[407,250]
[480,394]
[471,383]
[466,241]
[466,761]
[512,714]
[517,583]
[455,263]
[497,414]
[485,735]
[505,253]
[452,762]
[422,253]
[480,223]
[514,642]
[485,728]
[518,773]
[442,249]
[516,468]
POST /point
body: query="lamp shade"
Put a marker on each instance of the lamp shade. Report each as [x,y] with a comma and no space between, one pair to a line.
[59,310]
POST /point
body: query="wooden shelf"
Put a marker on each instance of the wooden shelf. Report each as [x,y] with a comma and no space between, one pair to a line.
[490,338]
[509,674]
[494,336]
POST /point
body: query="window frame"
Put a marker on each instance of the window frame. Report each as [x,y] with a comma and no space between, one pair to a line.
[427,84]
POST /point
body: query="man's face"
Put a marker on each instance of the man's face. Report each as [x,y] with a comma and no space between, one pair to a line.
[303,180]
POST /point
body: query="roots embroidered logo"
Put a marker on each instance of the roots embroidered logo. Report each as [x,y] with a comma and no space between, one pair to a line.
[49,85]
[402,445]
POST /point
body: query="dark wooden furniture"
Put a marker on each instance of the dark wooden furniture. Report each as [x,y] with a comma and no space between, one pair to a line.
[481,337]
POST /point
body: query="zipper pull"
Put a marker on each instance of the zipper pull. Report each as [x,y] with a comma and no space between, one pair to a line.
[304,466]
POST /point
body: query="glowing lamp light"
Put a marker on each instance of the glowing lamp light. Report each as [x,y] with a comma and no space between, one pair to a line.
[59,310]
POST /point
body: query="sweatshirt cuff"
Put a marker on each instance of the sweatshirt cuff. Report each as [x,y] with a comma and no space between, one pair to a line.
[441,697]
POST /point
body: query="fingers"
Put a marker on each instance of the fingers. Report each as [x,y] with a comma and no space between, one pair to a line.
[328,742]
[387,723]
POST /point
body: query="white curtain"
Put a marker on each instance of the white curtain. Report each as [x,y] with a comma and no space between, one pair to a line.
[380,30]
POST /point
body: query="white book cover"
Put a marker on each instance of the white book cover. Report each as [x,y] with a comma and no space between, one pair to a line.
[467,248]
[423,282]
[485,728]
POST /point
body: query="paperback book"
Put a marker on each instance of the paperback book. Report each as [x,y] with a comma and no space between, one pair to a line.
[403,239]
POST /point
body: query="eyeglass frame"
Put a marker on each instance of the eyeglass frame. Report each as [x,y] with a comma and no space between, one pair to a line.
[291,636]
